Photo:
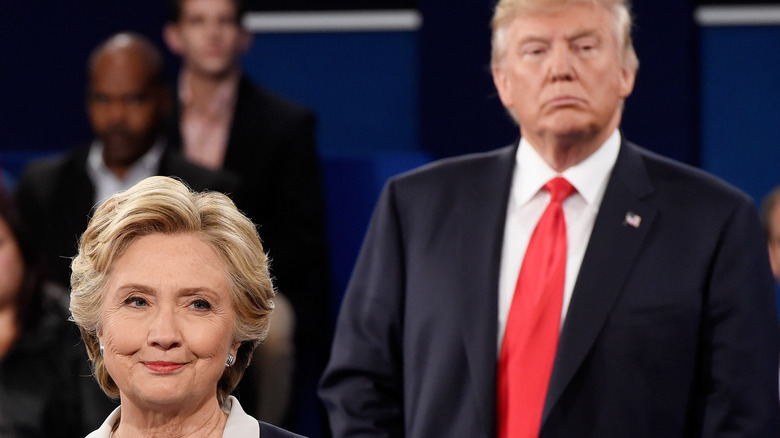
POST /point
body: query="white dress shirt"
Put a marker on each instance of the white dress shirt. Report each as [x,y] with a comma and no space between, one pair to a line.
[106,182]
[239,423]
[527,202]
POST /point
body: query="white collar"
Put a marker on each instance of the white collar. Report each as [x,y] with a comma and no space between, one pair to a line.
[588,177]
[148,162]
[239,423]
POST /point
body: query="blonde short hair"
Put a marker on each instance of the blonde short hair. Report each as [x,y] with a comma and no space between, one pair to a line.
[165,205]
[506,10]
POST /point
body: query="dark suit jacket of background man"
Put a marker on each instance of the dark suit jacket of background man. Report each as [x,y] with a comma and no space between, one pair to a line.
[56,197]
[671,331]
[271,149]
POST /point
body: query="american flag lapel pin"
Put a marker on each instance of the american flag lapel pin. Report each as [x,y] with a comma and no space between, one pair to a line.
[632,219]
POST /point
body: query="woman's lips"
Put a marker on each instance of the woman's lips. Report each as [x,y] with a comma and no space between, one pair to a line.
[163,367]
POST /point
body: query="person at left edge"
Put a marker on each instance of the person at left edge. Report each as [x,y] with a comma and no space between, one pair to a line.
[45,385]
[171,292]
[128,104]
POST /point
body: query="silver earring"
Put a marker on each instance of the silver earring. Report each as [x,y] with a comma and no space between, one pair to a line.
[230,360]
[102,350]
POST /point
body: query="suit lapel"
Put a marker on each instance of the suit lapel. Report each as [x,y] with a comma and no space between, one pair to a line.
[79,195]
[614,244]
[245,117]
[481,235]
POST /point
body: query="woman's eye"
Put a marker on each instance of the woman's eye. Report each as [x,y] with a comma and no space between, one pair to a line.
[201,305]
[135,302]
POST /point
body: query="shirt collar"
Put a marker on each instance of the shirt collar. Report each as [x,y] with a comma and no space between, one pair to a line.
[239,423]
[588,177]
[148,163]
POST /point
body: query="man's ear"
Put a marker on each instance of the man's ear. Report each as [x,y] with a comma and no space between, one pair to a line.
[503,86]
[627,79]
[172,38]
[245,41]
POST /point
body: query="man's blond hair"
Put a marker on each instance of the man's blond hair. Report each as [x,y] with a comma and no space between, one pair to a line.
[506,10]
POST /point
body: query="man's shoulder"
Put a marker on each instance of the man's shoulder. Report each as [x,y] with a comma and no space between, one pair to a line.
[464,168]
[51,170]
[269,103]
[271,431]
[678,178]
[54,161]
[196,177]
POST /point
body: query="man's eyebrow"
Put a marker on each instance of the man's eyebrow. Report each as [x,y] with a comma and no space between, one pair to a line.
[534,39]
[583,33]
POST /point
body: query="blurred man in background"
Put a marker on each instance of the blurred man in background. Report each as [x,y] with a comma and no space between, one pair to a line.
[128,105]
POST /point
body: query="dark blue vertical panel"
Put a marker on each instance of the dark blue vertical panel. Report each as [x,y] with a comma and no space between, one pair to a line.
[461,111]
[363,86]
[662,112]
[739,100]
[45,46]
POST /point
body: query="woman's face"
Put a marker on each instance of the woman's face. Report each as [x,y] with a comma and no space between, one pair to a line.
[167,322]
[11,266]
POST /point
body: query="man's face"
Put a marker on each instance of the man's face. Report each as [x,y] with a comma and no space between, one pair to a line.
[774,240]
[126,108]
[208,36]
[562,75]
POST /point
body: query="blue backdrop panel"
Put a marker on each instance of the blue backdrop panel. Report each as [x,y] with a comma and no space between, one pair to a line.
[46,44]
[364,88]
[362,85]
[352,186]
[740,126]
[740,123]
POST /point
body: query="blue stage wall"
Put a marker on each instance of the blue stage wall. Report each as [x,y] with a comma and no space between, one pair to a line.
[740,92]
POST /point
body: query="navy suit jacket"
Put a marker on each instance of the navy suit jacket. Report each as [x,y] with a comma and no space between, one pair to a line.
[671,331]
[271,431]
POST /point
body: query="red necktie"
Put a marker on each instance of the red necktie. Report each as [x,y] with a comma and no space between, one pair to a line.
[531,337]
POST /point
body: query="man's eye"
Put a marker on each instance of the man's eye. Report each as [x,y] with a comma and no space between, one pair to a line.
[534,51]
[98,98]
[585,46]
[136,99]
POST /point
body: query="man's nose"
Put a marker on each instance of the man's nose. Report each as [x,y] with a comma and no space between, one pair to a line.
[561,65]
[116,111]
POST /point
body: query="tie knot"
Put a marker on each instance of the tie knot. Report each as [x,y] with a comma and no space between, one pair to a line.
[559,189]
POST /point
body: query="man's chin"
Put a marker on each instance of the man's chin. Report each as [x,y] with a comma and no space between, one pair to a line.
[571,131]
[123,154]
[216,69]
